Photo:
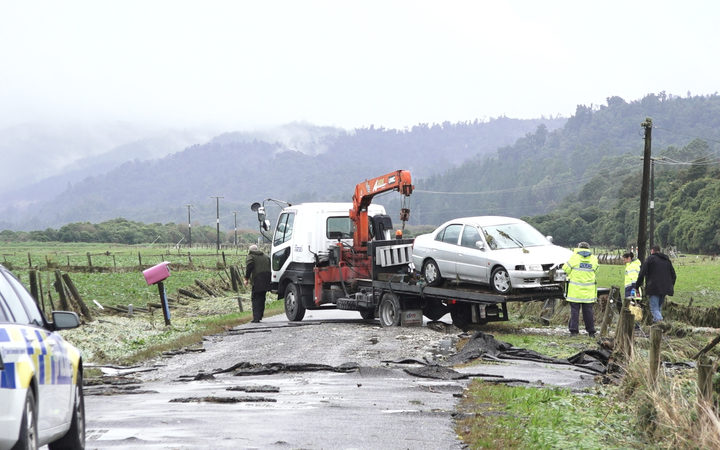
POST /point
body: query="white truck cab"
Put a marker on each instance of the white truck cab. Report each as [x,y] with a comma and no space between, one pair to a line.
[304,233]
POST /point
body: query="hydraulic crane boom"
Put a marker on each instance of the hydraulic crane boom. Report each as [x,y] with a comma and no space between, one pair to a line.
[399,180]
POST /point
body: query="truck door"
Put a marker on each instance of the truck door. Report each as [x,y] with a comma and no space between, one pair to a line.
[471,260]
[282,244]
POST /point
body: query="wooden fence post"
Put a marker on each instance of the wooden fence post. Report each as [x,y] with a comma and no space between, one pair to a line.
[60,288]
[34,288]
[704,383]
[29,260]
[73,290]
[89,259]
[655,340]
[612,297]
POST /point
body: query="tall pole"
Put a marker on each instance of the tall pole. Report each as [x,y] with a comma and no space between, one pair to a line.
[235,214]
[642,227]
[652,203]
[189,227]
[217,220]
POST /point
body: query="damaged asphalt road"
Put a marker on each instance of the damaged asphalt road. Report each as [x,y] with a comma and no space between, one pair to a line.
[331,381]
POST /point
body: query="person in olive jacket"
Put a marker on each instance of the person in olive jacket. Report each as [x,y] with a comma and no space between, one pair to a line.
[659,275]
[257,271]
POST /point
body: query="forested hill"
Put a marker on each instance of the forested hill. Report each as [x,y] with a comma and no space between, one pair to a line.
[243,170]
[595,157]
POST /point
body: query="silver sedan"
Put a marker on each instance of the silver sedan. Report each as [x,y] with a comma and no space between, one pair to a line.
[501,252]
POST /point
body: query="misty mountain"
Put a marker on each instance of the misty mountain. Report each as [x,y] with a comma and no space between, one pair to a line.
[247,167]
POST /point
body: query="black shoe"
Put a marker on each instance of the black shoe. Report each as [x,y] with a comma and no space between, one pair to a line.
[592,335]
[254,321]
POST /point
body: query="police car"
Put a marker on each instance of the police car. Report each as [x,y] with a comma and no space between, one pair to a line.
[41,398]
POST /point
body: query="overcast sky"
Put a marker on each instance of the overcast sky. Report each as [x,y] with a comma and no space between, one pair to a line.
[244,64]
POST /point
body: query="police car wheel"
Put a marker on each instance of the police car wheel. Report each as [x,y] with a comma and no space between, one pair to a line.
[28,427]
[75,436]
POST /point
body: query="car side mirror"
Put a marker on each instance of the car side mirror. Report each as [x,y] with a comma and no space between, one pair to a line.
[480,245]
[549,238]
[64,320]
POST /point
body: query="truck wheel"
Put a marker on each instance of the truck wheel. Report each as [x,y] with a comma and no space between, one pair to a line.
[294,307]
[500,281]
[434,310]
[367,314]
[28,426]
[431,272]
[389,310]
[461,315]
[75,436]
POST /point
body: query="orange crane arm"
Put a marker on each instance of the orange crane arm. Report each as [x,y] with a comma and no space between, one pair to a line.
[399,180]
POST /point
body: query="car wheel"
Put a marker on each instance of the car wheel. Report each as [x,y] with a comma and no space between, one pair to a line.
[28,426]
[431,273]
[294,308]
[389,310]
[500,281]
[434,310]
[75,436]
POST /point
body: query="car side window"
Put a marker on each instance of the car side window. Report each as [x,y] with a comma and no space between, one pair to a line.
[470,236]
[26,299]
[452,233]
[17,312]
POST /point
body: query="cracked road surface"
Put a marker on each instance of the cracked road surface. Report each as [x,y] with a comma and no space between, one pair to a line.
[352,398]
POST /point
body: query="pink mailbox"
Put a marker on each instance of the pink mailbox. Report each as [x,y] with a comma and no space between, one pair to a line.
[157,273]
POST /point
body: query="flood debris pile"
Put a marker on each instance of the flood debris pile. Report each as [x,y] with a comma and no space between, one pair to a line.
[484,346]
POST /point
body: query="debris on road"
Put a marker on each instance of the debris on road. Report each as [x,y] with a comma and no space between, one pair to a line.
[223,400]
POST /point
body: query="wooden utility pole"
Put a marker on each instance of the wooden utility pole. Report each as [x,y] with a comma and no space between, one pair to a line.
[189,227]
[642,227]
[217,221]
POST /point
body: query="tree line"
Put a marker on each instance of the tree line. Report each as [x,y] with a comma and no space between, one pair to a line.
[122,231]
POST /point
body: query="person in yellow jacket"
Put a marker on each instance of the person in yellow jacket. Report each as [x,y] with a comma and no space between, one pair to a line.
[581,269]
[632,270]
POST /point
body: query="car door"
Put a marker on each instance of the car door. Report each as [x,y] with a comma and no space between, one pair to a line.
[53,367]
[445,249]
[471,260]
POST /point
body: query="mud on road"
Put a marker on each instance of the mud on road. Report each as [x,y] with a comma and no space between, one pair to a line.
[330,381]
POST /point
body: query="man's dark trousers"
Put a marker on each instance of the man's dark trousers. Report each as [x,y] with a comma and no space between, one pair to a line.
[258,305]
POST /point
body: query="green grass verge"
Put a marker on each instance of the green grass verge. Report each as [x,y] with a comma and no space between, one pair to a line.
[501,416]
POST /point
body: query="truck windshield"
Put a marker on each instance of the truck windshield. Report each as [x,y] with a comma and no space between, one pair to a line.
[339,228]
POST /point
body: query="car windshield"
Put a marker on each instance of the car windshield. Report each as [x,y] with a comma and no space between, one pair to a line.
[513,235]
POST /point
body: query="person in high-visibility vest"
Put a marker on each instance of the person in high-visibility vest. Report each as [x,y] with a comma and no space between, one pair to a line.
[581,269]
[632,269]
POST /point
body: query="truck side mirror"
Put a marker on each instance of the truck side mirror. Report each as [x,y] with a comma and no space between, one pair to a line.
[266,225]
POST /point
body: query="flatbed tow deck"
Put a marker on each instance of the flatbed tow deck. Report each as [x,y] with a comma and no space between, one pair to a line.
[393,293]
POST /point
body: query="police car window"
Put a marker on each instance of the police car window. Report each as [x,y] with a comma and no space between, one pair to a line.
[3,314]
[26,299]
[17,311]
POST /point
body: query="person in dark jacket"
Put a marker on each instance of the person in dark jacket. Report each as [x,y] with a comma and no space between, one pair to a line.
[659,275]
[257,271]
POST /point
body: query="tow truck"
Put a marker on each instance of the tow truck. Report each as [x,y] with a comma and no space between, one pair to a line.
[347,256]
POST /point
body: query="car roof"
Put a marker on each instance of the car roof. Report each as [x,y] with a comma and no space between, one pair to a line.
[484,221]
